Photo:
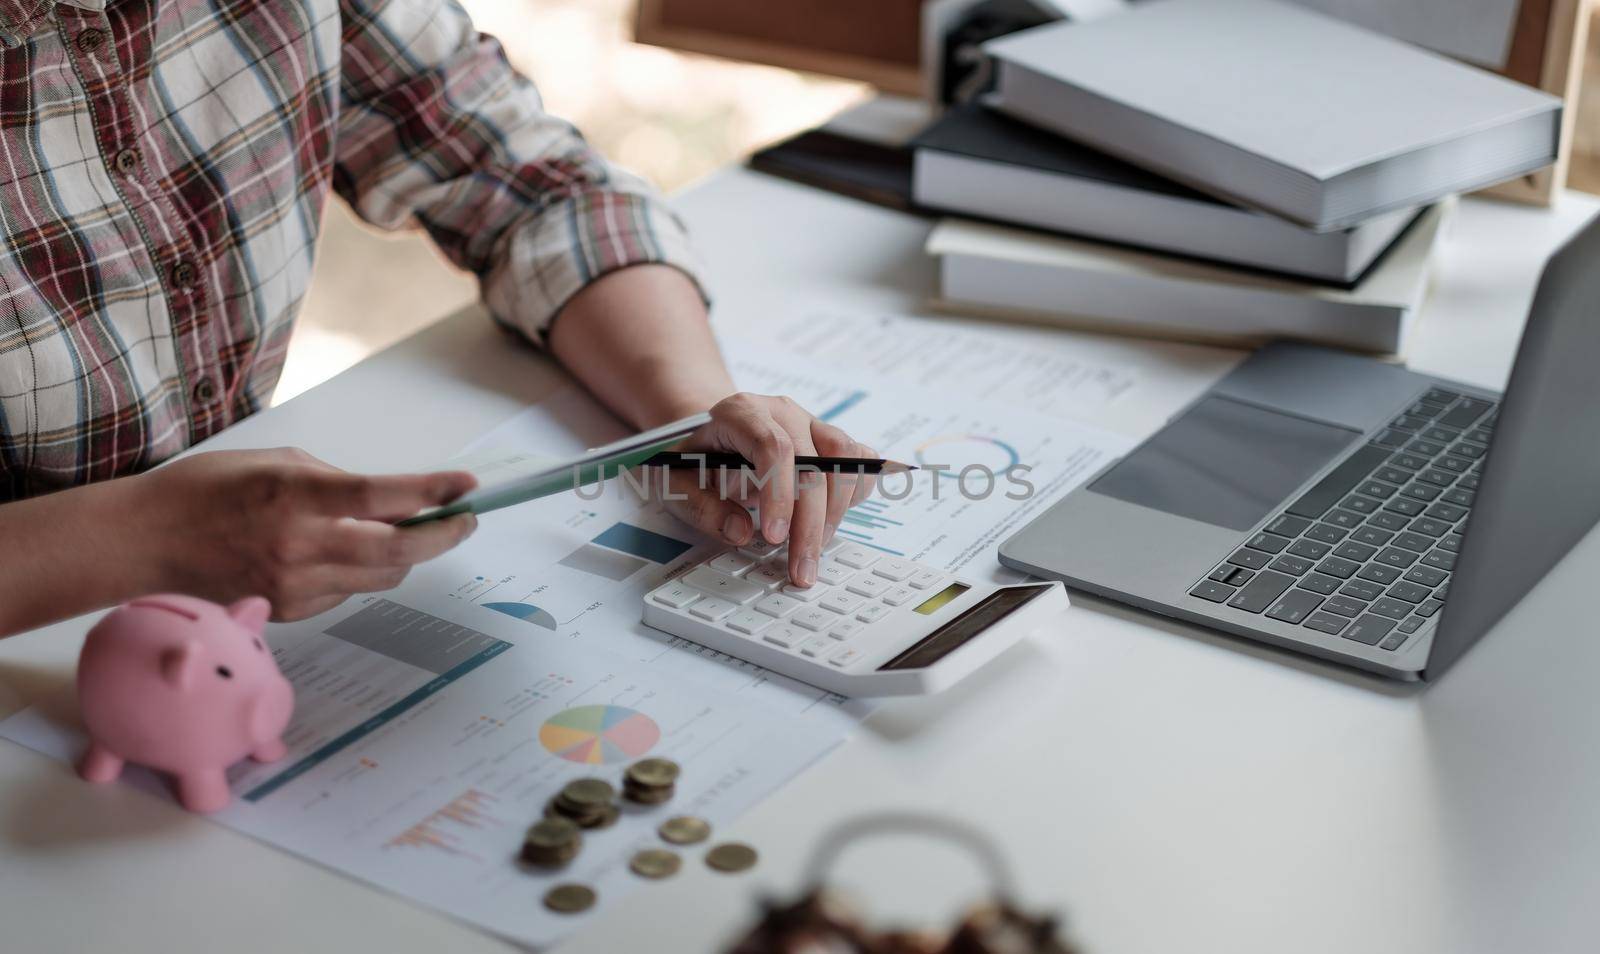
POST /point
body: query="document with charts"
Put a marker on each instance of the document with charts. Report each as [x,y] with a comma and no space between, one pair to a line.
[434,722]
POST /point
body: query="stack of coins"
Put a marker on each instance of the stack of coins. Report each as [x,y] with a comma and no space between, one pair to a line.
[650,781]
[589,802]
[551,843]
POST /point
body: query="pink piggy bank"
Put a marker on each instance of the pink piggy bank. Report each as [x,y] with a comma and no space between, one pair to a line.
[185,686]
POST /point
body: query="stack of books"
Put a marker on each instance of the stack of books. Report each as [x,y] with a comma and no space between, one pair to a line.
[1217,170]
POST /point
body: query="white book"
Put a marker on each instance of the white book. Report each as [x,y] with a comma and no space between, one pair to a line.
[993,269]
[1276,107]
[976,162]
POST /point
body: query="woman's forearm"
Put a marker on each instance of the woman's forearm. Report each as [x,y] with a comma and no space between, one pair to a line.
[68,553]
[638,339]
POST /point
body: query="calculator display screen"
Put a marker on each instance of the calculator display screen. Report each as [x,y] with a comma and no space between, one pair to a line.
[959,631]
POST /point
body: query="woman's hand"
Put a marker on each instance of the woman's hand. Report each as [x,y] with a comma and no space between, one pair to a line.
[803,508]
[284,525]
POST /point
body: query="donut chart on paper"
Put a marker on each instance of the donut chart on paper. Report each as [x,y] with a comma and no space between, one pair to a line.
[956,451]
[599,734]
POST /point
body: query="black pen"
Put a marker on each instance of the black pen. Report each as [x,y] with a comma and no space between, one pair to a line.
[722,460]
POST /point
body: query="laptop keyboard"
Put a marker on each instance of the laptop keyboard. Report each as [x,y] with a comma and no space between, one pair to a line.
[1367,553]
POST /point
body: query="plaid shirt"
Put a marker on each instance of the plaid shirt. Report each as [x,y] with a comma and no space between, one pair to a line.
[163,169]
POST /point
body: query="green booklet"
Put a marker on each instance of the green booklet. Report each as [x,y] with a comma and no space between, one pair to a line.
[521,477]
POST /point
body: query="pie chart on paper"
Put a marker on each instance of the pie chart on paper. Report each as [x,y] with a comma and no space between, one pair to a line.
[599,734]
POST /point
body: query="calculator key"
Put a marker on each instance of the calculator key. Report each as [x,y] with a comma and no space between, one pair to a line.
[769,575]
[786,636]
[813,619]
[1294,606]
[675,594]
[872,612]
[760,549]
[1378,573]
[893,568]
[842,601]
[926,579]
[845,629]
[1369,629]
[844,656]
[732,562]
[712,608]
[899,595]
[805,594]
[722,585]
[748,621]
[855,557]
[869,586]
[1326,623]
[815,646]
[777,605]
[833,545]
[1268,543]
[1410,592]
[833,574]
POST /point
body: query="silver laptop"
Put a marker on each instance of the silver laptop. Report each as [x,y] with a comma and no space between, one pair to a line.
[1351,509]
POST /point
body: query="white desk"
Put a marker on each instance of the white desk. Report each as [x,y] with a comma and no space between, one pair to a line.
[1172,789]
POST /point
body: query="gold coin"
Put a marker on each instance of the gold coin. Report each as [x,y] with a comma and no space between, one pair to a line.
[569,898]
[552,833]
[652,773]
[684,830]
[590,793]
[655,863]
[731,857]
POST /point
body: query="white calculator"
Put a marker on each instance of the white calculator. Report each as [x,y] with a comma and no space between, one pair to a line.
[872,625]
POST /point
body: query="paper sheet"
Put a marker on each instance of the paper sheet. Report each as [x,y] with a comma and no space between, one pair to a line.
[434,722]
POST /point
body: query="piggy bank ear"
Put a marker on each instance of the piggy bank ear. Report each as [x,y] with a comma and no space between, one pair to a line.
[251,613]
[180,664]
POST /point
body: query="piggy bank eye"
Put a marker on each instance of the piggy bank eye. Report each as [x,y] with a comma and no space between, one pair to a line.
[258,645]
[225,672]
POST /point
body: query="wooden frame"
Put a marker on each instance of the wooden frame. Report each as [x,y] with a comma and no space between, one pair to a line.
[1547,52]
[653,25]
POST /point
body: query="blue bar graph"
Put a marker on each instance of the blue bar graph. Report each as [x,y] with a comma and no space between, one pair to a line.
[642,543]
[861,520]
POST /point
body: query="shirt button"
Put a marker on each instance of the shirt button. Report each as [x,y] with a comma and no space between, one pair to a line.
[183,275]
[127,161]
[91,40]
[205,391]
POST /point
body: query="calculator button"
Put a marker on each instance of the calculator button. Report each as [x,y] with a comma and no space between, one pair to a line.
[727,587]
[816,646]
[760,549]
[924,578]
[675,595]
[812,618]
[845,630]
[775,604]
[833,545]
[732,563]
[892,568]
[805,594]
[844,657]
[872,612]
[842,602]
[898,596]
[748,621]
[833,574]
[855,557]
[769,575]
[868,585]
[786,636]
[712,608]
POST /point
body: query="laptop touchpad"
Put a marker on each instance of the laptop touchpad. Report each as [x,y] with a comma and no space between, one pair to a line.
[1225,463]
